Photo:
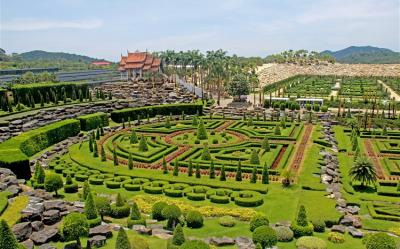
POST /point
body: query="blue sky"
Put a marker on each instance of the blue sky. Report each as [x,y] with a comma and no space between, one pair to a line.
[106,28]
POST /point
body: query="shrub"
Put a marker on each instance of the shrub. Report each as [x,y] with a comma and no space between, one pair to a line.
[172,214]
[380,241]
[201,131]
[227,221]
[335,237]
[70,186]
[143,144]
[122,240]
[102,205]
[284,234]
[309,242]
[194,244]
[254,159]
[92,121]
[215,141]
[258,220]
[265,236]
[53,182]
[120,208]
[135,217]
[73,226]
[194,219]
[90,208]
[302,230]
[156,211]
[319,225]
[205,155]
[7,238]
[138,242]
[178,238]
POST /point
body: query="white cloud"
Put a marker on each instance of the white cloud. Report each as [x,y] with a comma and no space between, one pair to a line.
[331,10]
[35,24]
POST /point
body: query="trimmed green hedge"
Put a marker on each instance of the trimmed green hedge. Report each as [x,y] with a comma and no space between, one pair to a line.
[151,111]
[15,152]
[92,121]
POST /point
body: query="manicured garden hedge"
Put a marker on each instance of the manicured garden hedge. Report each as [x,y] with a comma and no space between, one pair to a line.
[92,121]
[151,111]
[15,152]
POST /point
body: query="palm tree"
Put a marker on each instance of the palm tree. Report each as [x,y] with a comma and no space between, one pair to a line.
[363,171]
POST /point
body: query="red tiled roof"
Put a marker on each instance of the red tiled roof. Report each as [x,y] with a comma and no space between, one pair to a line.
[149,60]
[146,67]
[156,62]
[123,60]
[136,57]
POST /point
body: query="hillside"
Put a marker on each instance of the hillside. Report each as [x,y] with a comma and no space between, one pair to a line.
[365,54]
[55,56]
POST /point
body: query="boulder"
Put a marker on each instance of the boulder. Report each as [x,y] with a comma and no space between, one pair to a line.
[55,204]
[355,232]
[142,229]
[47,246]
[97,241]
[338,228]
[28,244]
[51,217]
[162,233]
[224,241]
[45,235]
[37,225]
[104,230]
[22,231]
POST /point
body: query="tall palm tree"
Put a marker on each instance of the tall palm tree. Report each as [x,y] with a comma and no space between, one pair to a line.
[363,171]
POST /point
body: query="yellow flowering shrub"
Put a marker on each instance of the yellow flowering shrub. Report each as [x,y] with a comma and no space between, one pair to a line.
[145,203]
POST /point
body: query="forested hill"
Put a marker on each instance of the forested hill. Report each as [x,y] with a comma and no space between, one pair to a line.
[365,54]
[55,56]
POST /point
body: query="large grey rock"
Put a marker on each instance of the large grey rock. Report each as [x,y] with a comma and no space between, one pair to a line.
[355,232]
[97,241]
[46,235]
[55,204]
[47,246]
[338,228]
[104,230]
[28,244]
[22,231]
[224,241]
[37,225]
[162,233]
[142,229]
[51,217]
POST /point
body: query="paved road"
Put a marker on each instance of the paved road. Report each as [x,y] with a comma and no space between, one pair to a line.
[390,90]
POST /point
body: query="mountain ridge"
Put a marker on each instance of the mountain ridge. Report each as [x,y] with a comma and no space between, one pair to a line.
[365,54]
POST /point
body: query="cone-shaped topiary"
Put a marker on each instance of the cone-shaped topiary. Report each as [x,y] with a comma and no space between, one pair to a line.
[130,161]
[265,144]
[95,149]
[39,175]
[167,123]
[253,178]
[97,133]
[198,173]
[205,155]
[119,201]
[164,166]
[212,170]
[115,157]
[90,144]
[265,174]
[143,144]
[122,240]
[178,238]
[90,208]
[195,122]
[86,190]
[302,217]
[277,130]
[222,176]
[7,238]
[176,167]
[238,176]
[254,159]
[103,154]
[133,138]
[201,131]
[135,213]
[398,186]
[190,168]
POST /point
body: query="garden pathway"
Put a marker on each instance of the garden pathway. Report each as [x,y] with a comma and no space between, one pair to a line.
[393,94]
[375,159]
[301,148]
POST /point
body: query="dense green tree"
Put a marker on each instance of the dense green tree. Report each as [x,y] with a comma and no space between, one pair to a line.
[74,225]
[143,144]
[130,161]
[122,240]
[178,237]
[39,175]
[238,176]
[135,213]
[172,213]
[212,170]
[277,130]
[176,168]
[133,138]
[164,166]
[190,168]
[198,172]
[265,144]
[301,219]
[97,133]
[7,238]
[265,174]
[238,86]
[95,150]
[266,236]
[90,144]
[90,208]
[102,205]
[253,178]
[205,155]
[85,190]
[103,154]
[363,171]
[254,159]
[167,123]
[53,182]
[195,122]
[222,176]
[201,131]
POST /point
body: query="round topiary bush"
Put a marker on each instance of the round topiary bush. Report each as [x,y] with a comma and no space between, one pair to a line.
[247,198]
[302,230]
[258,220]
[194,244]
[310,242]
[284,234]
[380,241]
[265,236]
[319,225]
[336,237]
[227,221]
[156,210]
[194,219]
[138,242]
